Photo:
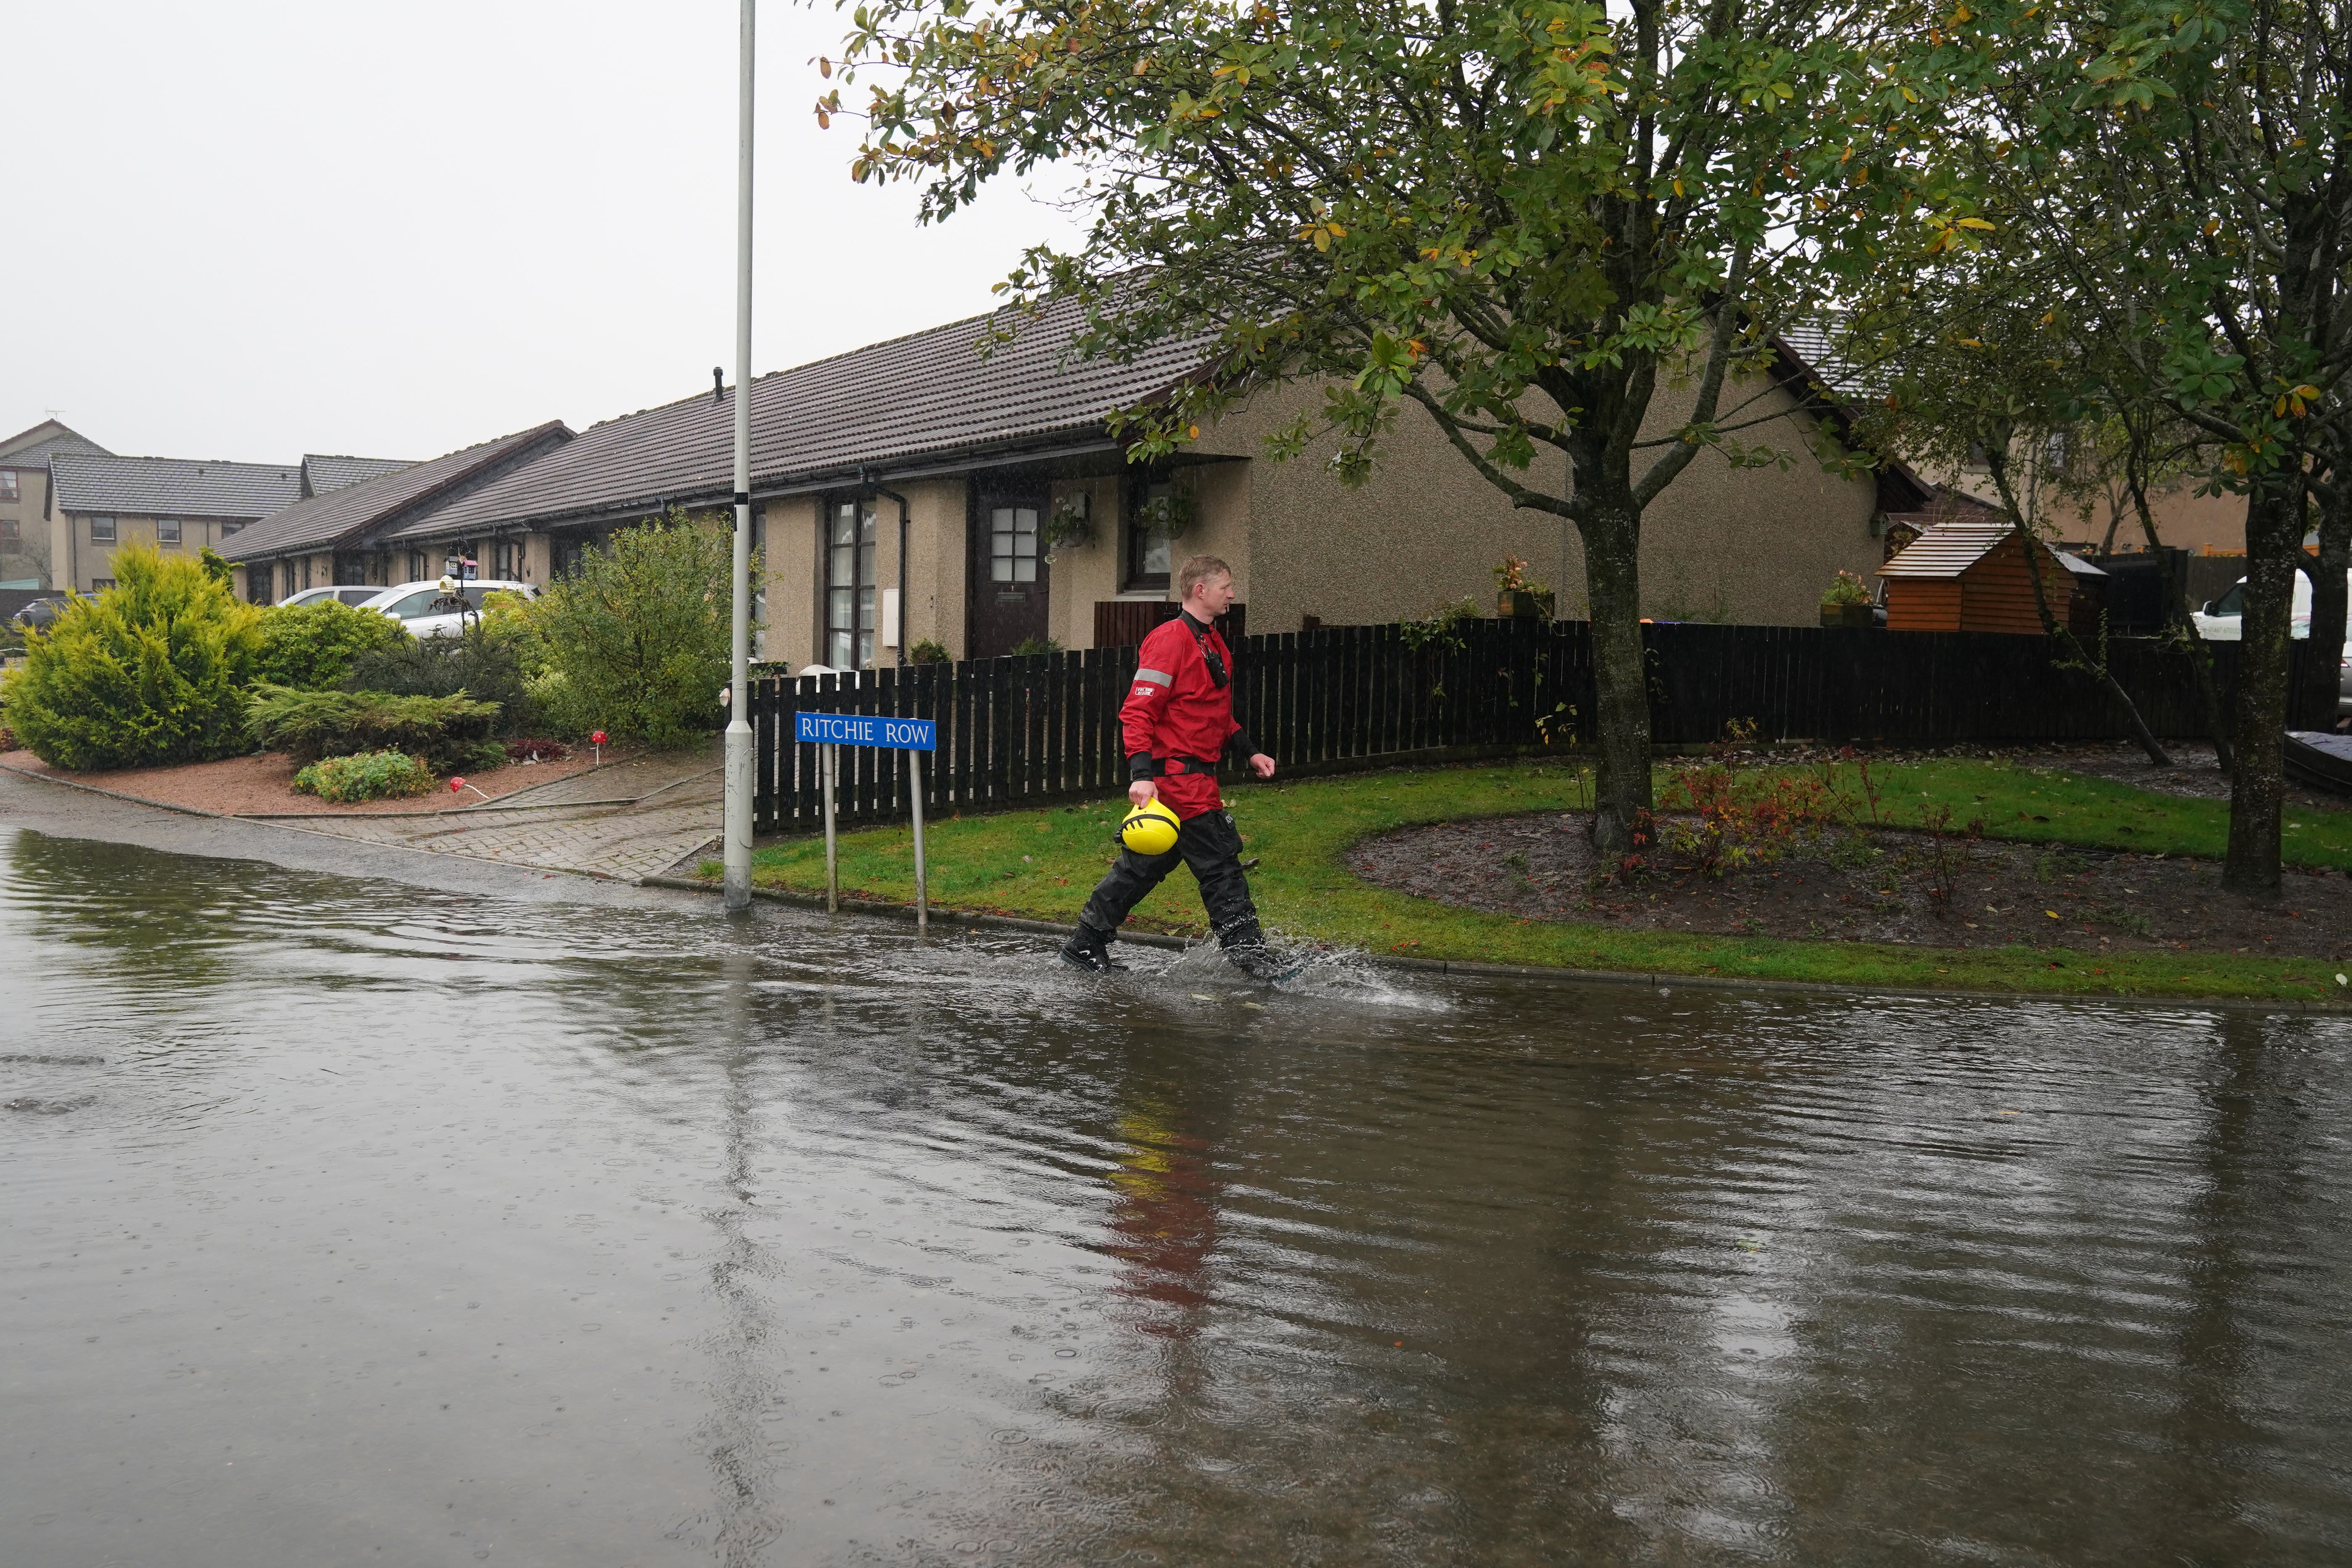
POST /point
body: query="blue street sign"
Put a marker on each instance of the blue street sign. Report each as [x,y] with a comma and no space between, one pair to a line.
[867,730]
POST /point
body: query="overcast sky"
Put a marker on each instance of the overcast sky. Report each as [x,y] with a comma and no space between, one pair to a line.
[251,230]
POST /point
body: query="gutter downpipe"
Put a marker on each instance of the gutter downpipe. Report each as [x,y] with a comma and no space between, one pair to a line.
[740,759]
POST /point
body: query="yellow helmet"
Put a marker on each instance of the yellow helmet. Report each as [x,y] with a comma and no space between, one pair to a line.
[1149,829]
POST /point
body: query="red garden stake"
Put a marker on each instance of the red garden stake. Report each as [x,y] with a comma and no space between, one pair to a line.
[597,741]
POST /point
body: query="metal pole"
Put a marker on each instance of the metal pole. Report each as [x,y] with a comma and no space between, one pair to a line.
[922,878]
[832,850]
[740,759]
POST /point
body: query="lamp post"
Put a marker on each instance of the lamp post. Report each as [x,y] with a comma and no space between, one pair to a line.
[738,851]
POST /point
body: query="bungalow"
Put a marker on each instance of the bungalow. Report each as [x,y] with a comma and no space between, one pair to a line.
[341,533]
[919,490]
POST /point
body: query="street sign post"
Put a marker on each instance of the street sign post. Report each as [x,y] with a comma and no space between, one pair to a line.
[835,731]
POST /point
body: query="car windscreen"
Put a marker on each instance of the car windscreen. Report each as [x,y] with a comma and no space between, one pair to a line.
[418,604]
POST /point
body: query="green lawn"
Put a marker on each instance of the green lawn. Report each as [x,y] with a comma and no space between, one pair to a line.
[1042,863]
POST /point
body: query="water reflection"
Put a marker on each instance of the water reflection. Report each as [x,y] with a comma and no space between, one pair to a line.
[350,1221]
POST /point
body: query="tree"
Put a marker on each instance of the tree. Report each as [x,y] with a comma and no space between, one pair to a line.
[1540,224]
[153,670]
[2184,172]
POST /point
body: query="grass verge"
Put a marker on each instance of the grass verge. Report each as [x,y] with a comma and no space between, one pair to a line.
[1042,863]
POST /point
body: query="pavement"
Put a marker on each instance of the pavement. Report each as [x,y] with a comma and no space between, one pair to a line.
[623,823]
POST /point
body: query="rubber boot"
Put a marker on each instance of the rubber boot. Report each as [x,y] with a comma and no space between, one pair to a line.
[1089,949]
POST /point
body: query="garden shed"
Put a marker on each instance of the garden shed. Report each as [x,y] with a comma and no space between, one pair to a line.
[1971,577]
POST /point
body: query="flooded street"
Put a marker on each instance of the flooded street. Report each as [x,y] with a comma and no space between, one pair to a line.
[347,1222]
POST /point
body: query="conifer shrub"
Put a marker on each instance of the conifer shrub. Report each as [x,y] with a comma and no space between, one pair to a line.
[151,671]
[485,662]
[311,647]
[368,775]
[449,735]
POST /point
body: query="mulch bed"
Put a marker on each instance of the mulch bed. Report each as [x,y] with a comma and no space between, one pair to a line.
[1870,885]
[264,785]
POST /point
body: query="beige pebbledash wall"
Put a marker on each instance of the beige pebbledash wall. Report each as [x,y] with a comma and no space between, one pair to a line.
[1755,545]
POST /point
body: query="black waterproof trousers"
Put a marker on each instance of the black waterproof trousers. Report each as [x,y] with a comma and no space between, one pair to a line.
[1212,845]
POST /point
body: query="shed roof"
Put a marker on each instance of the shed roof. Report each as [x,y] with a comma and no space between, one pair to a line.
[931,395]
[342,515]
[1949,549]
[322,472]
[171,487]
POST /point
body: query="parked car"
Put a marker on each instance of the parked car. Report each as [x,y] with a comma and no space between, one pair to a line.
[40,615]
[2223,620]
[420,608]
[353,593]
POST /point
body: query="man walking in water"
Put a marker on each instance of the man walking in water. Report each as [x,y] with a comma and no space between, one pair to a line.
[1178,720]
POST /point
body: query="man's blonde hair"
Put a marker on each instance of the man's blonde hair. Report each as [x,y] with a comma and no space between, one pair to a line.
[1198,570]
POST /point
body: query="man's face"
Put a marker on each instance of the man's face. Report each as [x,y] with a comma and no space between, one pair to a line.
[1213,595]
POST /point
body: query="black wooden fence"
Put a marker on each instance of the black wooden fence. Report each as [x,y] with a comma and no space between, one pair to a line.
[1046,727]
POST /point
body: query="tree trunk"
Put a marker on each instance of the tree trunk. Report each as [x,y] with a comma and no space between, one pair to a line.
[2324,659]
[1611,528]
[2258,786]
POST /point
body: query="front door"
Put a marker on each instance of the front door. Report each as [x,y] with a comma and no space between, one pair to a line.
[1008,571]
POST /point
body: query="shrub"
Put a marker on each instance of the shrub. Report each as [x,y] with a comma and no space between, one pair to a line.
[485,663]
[537,749]
[369,775]
[311,647]
[1029,647]
[925,651]
[1846,588]
[151,671]
[638,634]
[449,733]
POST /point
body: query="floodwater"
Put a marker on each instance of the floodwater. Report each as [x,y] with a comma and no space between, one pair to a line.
[347,1223]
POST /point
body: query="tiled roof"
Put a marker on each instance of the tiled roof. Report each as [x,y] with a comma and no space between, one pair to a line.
[171,487]
[33,448]
[340,516]
[321,473]
[927,396]
[1816,347]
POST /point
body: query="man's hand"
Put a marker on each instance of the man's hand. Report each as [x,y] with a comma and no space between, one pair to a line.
[1261,765]
[1140,792]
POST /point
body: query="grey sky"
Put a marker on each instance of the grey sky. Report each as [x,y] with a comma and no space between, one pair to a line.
[251,230]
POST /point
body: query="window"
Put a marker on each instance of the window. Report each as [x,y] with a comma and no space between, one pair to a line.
[7,484]
[1012,545]
[11,530]
[229,528]
[506,560]
[167,530]
[1149,542]
[849,585]
[101,531]
[101,584]
[256,582]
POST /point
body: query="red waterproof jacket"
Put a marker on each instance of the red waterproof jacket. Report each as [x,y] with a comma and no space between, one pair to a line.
[1179,716]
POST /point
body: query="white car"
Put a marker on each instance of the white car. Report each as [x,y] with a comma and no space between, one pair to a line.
[2223,620]
[417,608]
[347,594]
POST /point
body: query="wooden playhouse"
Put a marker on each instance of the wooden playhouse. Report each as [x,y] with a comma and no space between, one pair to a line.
[1971,577]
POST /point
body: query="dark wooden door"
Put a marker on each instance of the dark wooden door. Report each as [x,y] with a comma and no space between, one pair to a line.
[1008,570]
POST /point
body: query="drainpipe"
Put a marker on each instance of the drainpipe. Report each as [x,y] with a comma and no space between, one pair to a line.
[906,610]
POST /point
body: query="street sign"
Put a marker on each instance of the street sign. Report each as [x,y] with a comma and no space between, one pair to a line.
[835,731]
[867,730]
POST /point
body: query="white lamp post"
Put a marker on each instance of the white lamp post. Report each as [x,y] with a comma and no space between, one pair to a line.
[739,760]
